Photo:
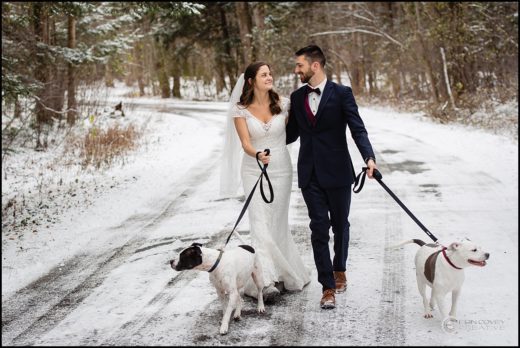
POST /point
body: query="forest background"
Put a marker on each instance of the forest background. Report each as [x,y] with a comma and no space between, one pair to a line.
[447,59]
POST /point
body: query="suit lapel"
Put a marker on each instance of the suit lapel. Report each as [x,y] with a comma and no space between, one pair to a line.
[327,91]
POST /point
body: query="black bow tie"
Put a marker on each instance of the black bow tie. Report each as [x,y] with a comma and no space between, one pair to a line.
[310,90]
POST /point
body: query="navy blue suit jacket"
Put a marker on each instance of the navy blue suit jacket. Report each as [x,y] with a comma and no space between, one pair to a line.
[323,148]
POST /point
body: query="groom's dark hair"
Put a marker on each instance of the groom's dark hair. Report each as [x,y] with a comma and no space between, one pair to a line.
[313,54]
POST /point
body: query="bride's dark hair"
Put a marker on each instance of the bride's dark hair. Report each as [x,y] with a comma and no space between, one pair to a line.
[246,98]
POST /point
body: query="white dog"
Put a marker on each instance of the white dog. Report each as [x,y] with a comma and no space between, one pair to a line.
[442,269]
[229,272]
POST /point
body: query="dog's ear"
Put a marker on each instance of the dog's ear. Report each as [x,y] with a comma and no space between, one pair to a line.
[196,244]
[454,246]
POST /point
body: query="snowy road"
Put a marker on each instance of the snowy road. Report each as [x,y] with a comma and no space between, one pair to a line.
[118,288]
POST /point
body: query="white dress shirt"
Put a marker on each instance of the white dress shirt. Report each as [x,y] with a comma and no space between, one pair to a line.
[314,98]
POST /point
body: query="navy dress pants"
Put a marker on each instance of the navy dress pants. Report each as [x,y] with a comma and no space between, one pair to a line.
[320,203]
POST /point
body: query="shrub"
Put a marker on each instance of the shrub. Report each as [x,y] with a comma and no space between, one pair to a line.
[103,147]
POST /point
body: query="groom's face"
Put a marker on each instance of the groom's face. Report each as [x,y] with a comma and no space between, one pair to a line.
[303,69]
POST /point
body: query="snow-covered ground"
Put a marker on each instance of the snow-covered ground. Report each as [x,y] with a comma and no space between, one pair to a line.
[459,181]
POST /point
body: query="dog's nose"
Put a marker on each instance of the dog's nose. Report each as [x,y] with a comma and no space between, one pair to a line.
[487,255]
[172,263]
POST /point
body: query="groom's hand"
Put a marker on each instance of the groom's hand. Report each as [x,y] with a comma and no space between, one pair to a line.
[371,166]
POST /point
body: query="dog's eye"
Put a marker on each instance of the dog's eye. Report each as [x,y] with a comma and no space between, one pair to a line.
[474,250]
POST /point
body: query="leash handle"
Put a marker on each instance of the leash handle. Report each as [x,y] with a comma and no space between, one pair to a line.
[264,173]
[377,175]
[248,200]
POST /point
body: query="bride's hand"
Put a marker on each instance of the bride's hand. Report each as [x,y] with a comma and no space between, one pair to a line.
[264,158]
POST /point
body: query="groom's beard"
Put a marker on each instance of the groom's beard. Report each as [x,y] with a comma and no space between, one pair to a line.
[305,78]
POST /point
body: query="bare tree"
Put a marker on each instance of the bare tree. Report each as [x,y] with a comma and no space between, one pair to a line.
[41,33]
[71,84]
[246,35]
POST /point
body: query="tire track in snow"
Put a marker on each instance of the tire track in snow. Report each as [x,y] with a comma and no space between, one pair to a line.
[390,328]
[391,323]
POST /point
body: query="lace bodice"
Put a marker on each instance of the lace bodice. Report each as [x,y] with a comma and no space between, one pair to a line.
[262,134]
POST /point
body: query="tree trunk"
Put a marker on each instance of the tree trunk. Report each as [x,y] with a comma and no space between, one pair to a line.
[176,85]
[426,58]
[245,28]
[139,60]
[41,33]
[259,18]
[227,58]
[71,85]
[109,76]
[164,83]
[446,77]
[144,52]
[57,88]
[357,68]
[416,90]
[175,71]
[372,83]
[162,72]
[57,80]
[17,107]
[394,71]
[220,79]
[335,64]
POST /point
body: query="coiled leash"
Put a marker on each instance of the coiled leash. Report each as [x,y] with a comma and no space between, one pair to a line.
[379,177]
[248,200]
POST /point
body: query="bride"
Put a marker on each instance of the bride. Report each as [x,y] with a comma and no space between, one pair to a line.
[256,121]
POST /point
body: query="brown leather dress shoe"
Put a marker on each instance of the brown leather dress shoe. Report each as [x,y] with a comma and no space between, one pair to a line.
[341,282]
[328,301]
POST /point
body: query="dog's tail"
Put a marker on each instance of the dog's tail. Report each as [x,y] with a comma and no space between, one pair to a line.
[409,241]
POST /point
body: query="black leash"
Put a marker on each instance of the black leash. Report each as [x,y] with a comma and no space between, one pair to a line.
[248,200]
[379,177]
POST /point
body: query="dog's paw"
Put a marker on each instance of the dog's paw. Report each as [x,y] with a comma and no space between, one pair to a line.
[428,315]
[223,330]
[261,309]
[237,316]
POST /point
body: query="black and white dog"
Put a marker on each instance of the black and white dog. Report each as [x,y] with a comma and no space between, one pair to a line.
[229,272]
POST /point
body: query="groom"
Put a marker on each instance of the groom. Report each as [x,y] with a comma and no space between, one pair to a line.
[320,113]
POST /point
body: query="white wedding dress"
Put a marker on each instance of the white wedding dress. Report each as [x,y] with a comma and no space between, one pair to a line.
[270,234]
